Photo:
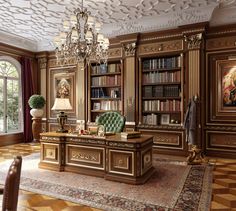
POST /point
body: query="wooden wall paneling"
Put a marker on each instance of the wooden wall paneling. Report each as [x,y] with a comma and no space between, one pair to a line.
[129,88]
[42,68]
[221,143]
[81,87]
[221,43]
[8,139]
[218,63]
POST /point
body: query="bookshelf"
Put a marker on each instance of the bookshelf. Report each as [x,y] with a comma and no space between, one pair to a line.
[161,91]
[105,83]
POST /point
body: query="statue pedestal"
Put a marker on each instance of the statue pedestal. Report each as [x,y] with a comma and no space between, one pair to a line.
[36,128]
[196,156]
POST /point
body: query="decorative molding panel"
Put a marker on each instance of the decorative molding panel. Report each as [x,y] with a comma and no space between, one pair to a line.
[160,47]
[166,139]
[115,53]
[221,43]
[221,141]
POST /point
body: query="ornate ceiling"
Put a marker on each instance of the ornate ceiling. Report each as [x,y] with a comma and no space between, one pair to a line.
[32,24]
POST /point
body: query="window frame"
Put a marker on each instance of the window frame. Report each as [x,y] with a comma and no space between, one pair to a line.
[17,65]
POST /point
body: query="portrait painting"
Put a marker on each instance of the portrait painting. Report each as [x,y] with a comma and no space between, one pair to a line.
[229,86]
[62,85]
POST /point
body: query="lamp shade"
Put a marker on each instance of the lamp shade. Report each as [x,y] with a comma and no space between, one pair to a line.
[61,104]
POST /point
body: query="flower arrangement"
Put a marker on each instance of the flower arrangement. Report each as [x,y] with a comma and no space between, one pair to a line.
[36,101]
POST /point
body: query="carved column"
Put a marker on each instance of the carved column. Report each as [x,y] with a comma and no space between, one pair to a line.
[193,71]
[42,68]
[81,102]
[129,83]
[194,64]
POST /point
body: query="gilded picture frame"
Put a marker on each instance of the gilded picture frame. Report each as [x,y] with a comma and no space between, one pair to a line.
[62,84]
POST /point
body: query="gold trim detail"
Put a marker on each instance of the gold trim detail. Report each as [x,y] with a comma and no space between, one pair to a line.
[194,41]
[102,150]
[118,172]
[114,53]
[168,46]
[130,49]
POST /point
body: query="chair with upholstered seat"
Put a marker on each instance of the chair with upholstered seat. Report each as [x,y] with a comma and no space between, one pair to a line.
[11,187]
[112,121]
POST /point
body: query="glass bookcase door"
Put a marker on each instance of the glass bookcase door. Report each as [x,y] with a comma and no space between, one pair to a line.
[105,88]
[161,91]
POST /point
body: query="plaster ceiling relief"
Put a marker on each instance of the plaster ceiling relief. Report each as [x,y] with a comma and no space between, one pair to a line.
[39,21]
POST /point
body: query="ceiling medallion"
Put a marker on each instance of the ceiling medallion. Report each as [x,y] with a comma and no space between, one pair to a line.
[80,39]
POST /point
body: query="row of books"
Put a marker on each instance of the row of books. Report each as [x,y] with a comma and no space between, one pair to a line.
[161,77]
[108,105]
[157,105]
[151,119]
[106,68]
[106,80]
[105,93]
[161,91]
[162,63]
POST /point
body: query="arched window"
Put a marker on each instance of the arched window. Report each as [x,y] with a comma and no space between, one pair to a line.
[10,96]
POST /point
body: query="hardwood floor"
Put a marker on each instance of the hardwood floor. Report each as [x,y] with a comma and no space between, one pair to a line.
[223,192]
[29,201]
[224,186]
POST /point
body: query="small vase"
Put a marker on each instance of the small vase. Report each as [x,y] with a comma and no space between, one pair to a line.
[36,113]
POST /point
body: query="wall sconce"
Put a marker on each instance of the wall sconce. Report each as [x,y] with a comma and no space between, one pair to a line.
[61,104]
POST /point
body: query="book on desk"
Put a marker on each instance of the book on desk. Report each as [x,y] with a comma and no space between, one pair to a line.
[130,134]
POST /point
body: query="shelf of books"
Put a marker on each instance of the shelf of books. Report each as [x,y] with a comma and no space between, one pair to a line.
[105,83]
[161,91]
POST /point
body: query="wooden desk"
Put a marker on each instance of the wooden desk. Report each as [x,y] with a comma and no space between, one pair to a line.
[114,158]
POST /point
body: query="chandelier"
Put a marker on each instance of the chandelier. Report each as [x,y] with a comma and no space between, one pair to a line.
[80,39]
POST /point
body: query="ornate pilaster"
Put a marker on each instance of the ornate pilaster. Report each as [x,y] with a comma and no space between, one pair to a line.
[194,41]
[130,49]
[194,63]
[42,68]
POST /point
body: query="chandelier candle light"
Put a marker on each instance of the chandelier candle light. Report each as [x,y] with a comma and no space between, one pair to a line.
[81,39]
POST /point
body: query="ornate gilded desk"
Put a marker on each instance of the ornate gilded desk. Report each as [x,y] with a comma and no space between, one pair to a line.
[114,158]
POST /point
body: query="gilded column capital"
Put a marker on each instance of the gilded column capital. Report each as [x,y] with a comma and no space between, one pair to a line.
[42,63]
[194,41]
[130,48]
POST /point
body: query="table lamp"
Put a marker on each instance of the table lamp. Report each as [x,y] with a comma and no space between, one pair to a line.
[61,104]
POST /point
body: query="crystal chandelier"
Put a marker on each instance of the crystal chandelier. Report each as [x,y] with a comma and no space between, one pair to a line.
[81,39]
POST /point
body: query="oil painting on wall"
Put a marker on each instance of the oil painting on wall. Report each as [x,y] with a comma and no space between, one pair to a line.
[229,85]
[62,85]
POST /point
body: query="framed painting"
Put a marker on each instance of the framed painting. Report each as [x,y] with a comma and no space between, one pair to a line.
[165,119]
[62,84]
[222,88]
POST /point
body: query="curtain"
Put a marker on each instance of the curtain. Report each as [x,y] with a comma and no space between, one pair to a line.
[27,91]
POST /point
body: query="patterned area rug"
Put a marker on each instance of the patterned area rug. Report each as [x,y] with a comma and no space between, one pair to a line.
[173,187]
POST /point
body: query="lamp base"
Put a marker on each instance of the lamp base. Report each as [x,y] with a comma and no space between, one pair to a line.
[61,119]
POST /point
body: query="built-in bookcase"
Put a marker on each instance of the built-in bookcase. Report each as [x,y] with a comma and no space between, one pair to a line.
[161,90]
[105,82]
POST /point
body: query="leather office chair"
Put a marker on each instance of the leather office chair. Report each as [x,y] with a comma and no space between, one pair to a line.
[11,188]
[112,121]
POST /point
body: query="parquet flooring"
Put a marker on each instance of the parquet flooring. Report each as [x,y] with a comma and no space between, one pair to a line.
[29,201]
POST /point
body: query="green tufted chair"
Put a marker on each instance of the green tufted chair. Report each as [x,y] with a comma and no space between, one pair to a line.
[112,121]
